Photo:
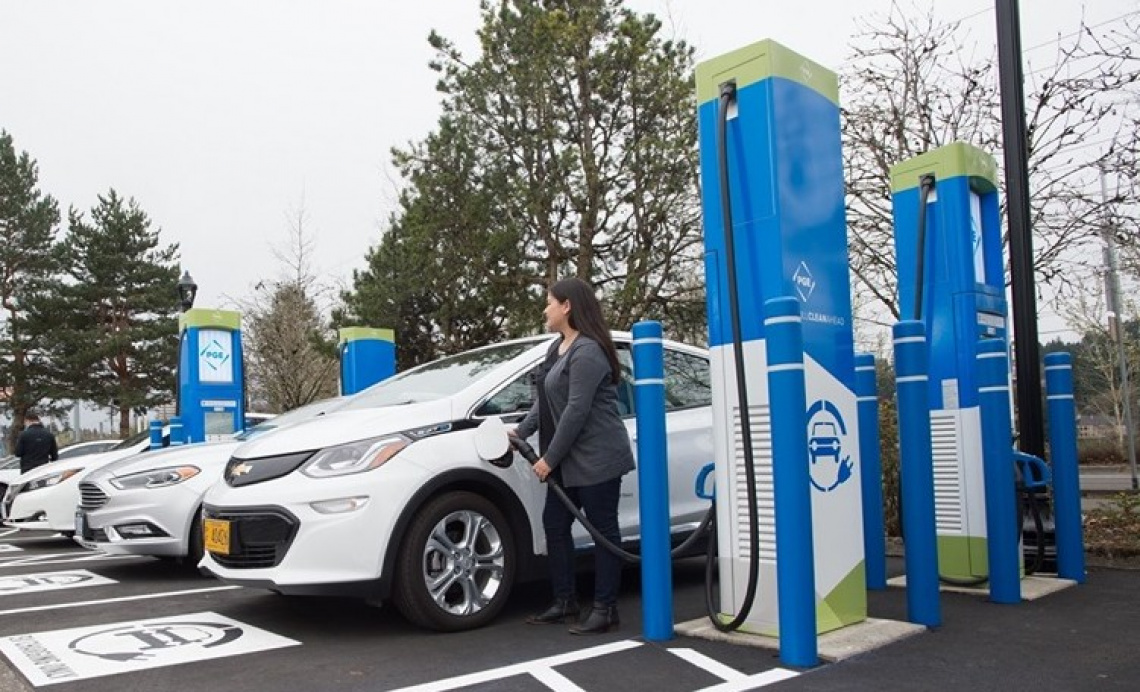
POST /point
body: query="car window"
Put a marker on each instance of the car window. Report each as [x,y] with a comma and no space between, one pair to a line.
[134,440]
[438,379]
[516,397]
[67,453]
[625,399]
[687,381]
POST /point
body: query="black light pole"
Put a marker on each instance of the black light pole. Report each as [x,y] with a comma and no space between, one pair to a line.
[1030,420]
[187,291]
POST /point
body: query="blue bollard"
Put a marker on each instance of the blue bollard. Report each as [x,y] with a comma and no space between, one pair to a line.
[917,474]
[1066,475]
[156,434]
[176,434]
[1003,524]
[795,561]
[874,533]
[653,481]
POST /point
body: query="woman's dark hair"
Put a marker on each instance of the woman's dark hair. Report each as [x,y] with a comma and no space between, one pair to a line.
[586,317]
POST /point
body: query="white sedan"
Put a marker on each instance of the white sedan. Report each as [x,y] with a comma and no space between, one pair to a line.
[150,504]
[386,498]
[47,496]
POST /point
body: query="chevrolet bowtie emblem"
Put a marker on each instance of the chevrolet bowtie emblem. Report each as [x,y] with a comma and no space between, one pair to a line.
[241,469]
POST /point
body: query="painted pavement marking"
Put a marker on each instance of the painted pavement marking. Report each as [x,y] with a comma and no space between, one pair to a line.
[539,666]
[734,680]
[9,548]
[80,653]
[18,584]
[119,599]
[542,670]
[62,559]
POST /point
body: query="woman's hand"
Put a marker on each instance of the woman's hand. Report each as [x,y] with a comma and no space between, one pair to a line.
[542,469]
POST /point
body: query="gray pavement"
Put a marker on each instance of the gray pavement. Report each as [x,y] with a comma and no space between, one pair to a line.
[1084,638]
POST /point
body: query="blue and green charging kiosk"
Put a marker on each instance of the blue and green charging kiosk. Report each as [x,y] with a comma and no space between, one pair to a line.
[951,277]
[211,380]
[367,356]
[785,178]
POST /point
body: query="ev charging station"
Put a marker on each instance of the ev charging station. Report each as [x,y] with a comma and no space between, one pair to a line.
[784,173]
[211,392]
[951,277]
[367,356]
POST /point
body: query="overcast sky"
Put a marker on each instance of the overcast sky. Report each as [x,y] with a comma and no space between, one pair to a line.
[223,118]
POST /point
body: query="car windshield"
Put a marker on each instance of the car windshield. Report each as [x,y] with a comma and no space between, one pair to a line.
[438,379]
[133,440]
[289,417]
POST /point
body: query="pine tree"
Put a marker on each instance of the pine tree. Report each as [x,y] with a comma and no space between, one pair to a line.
[119,346]
[28,220]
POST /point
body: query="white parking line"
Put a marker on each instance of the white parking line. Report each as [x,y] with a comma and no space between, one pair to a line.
[541,668]
[79,557]
[768,677]
[711,665]
[7,532]
[121,599]
[26,539]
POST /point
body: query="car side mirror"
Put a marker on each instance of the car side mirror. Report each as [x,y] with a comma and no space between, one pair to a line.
[493,444]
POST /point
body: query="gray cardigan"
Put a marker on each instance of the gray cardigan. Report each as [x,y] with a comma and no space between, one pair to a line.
[589,443]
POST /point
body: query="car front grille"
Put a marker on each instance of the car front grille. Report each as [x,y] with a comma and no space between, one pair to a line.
[259,537]
[91,496]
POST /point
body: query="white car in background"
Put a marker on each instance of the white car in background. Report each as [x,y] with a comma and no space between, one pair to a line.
[10,465]
[386,498]
[149,504]
[47,496]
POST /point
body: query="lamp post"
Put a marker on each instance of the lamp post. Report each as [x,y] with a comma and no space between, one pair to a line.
[187,290]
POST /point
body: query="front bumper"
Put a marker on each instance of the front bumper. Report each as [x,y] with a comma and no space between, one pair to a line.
[50,509]
[114,521]
[279,541]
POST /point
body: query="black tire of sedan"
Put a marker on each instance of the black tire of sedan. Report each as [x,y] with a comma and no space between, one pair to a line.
[456,564]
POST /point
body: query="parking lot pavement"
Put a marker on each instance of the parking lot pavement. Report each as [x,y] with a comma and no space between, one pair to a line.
[74,620]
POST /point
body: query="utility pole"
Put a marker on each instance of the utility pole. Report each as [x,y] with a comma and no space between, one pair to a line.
[1027,350]
[1115,325]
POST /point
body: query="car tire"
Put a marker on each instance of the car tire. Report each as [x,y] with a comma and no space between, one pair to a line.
[456,564]
[195,542]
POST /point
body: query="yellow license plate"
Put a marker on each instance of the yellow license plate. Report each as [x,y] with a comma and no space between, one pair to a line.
[217,535]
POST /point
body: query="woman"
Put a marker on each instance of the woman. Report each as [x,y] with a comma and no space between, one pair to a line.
[584,446]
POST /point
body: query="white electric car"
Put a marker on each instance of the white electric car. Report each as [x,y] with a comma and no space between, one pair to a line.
[47,496]
[149,504]
[386,498]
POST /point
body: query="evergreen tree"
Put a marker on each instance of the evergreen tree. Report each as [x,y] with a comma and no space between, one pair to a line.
[119,345]
[568,146]
[28,220]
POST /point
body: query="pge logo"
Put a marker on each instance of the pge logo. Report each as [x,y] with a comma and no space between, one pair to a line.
[214,355]
[145,641]
[827,433]
[804,282]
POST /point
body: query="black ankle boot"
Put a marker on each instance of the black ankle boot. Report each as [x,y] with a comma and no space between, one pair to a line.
[600,619]
[561,610]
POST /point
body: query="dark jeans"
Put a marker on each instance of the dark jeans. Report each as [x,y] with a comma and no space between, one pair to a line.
[600,504]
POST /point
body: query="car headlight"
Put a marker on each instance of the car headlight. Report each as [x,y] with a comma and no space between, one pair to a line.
[354,457]
[158,478]
[48,481]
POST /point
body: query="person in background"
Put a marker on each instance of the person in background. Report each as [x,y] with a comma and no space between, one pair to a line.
[584,446]
[36,445]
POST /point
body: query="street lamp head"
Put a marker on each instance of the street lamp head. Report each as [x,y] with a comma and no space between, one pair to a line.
[187,290]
